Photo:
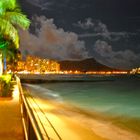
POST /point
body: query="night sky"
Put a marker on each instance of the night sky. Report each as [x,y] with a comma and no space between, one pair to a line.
[108,30]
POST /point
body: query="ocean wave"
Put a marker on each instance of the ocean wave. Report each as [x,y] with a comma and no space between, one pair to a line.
[45,93]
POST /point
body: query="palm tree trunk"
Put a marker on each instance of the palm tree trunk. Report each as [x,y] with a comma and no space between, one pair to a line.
[4,61]
[5,65]
[1,65]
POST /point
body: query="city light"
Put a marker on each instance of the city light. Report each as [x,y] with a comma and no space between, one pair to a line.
[135,71]
[36,65]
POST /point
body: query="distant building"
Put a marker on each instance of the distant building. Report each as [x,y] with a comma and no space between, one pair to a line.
[135,71]
[36,64]
[20,65]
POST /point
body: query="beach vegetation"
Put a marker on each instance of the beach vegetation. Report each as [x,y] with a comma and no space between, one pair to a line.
[6,85]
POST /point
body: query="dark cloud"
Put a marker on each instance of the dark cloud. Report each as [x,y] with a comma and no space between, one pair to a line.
[98,29]
[42,4]
[121,59]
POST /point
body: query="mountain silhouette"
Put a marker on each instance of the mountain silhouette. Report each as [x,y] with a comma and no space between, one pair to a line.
[89,64]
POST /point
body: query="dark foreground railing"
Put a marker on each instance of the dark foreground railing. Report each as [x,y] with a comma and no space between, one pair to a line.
[35,123]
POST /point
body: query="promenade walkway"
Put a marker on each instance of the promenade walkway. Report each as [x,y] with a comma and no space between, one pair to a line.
[10,118]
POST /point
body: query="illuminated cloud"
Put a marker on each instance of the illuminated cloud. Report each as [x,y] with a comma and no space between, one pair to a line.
[52,42]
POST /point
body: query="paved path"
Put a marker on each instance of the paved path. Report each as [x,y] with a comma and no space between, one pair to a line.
[10,118]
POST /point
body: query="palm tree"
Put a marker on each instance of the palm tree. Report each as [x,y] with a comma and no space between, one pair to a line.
[11,18]
[8,51]
[3,49]
[3,46]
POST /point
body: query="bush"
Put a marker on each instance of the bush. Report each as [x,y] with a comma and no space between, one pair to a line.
[5,85]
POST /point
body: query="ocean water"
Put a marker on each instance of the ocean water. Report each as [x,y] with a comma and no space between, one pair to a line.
[118,98]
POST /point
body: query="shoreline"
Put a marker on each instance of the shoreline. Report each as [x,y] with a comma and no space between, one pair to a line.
[89,123]
[98,124]
[129,124]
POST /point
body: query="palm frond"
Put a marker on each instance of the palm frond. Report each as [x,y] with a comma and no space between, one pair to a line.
[17,18]
[3,44]
[9,32]
[7,4]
